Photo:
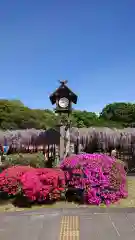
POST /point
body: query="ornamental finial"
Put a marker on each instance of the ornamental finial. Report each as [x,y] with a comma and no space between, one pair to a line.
[63,82]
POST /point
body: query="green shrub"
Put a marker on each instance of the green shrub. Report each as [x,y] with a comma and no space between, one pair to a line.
[28,159]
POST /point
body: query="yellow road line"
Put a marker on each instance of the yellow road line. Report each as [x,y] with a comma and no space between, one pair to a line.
[69,229]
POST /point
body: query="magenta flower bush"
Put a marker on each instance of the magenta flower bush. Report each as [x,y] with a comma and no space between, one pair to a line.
[101,178]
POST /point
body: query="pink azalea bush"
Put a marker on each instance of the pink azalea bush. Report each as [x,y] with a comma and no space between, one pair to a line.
[102,178]
[43,184]
[10,179]
[36,184]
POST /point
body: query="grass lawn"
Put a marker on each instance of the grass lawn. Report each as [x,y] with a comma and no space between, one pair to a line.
[129,202]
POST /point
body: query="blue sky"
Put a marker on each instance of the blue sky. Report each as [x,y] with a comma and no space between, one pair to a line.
[91,43]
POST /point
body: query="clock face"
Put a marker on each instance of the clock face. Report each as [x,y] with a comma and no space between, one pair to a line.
[63,102]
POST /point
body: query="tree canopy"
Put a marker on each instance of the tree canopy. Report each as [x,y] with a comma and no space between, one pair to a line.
[123,113]
[15,115]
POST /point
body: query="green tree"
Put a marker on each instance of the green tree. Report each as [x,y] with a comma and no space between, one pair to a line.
[15,115]
[84,118]
[119,112]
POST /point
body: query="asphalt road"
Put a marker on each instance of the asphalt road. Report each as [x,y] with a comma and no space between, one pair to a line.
[68,224]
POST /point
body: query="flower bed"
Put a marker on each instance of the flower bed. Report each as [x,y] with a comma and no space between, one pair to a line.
[100,177]
[95,178]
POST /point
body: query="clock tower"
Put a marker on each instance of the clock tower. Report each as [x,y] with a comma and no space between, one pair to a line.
[63,97]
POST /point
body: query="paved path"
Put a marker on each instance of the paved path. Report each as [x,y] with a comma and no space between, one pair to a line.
[68,224]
